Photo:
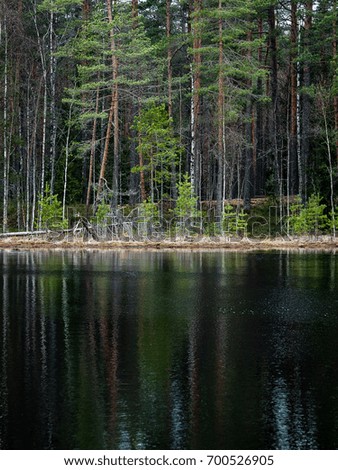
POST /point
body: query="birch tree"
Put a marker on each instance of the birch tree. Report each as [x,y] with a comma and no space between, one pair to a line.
[5,127]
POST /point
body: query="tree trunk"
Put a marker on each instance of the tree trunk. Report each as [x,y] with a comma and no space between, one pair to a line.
[45,103]
[259,168]
[52,80]
[116,165]
[112,118]
[19,184]
[220,149]
[5,129]
[142,179]
[134,10]
[306,106]
[334,51]
[105,151]
[20,105]
[85,9]
[169,58]
[328,145]
[65,177]
[44,133]
[92,154]
[137,183]
[195,99]
[33,176]
[293,100]
[274,119]
[170,92]
[247,183]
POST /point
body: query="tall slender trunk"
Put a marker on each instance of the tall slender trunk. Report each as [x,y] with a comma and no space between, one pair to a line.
[44,134]
[334,52]
[33,172]
[19,187]
[5,129]
[116,166]
[306,105]
[112,118]
[293,100]
[134,178]
[65,176]
[21,121]
[169,57]
[45,101]
[259,179]
[32,180]
[195,99]
[170,85]
[29,153]
[92,154]
[105,151]
[247,183]
[328,145]
[220,148]
[137,182]
[141,162]
[115,65]
[274,120]
[52,81]
[193,133]
[86,127]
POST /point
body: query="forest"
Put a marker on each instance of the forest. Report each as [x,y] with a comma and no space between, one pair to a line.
[179,107]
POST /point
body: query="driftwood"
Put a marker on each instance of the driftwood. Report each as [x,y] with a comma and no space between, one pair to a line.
[86,225]
[89,228]
[23,234]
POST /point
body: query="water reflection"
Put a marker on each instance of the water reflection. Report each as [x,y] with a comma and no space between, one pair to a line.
[4,362]
[168,350]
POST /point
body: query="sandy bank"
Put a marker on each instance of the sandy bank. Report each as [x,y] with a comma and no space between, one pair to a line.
[38,243]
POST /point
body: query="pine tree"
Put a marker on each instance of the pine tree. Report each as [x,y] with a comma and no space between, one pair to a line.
[159,147]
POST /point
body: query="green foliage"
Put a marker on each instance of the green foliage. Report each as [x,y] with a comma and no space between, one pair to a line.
[317,221]
[58,6]
[333,222]
[242,223]
[158,145]
[229,220]
[148,209]
[71,82]
[186,201]
[309,219]
[234,222]
[50,211]
[102,212]
[297,220]
[239,48]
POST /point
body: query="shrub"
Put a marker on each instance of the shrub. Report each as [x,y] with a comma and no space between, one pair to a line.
[186,201]
[309,219]
[50,212]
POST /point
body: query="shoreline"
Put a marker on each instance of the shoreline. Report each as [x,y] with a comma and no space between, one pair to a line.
[300,244]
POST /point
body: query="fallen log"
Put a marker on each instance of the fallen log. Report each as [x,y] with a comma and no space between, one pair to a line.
[23,234]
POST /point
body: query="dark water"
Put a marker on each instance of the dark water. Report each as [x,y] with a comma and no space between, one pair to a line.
[168,350]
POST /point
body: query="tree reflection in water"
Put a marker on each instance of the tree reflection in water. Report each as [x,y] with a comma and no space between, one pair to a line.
[128,350]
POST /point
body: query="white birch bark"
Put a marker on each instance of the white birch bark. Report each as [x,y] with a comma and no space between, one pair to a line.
[5,136]
[193,142]
[45,102]
[28,156]
[330,168]
[65,178]
[52,80]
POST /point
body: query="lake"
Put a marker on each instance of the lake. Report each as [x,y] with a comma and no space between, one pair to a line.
[168,350]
